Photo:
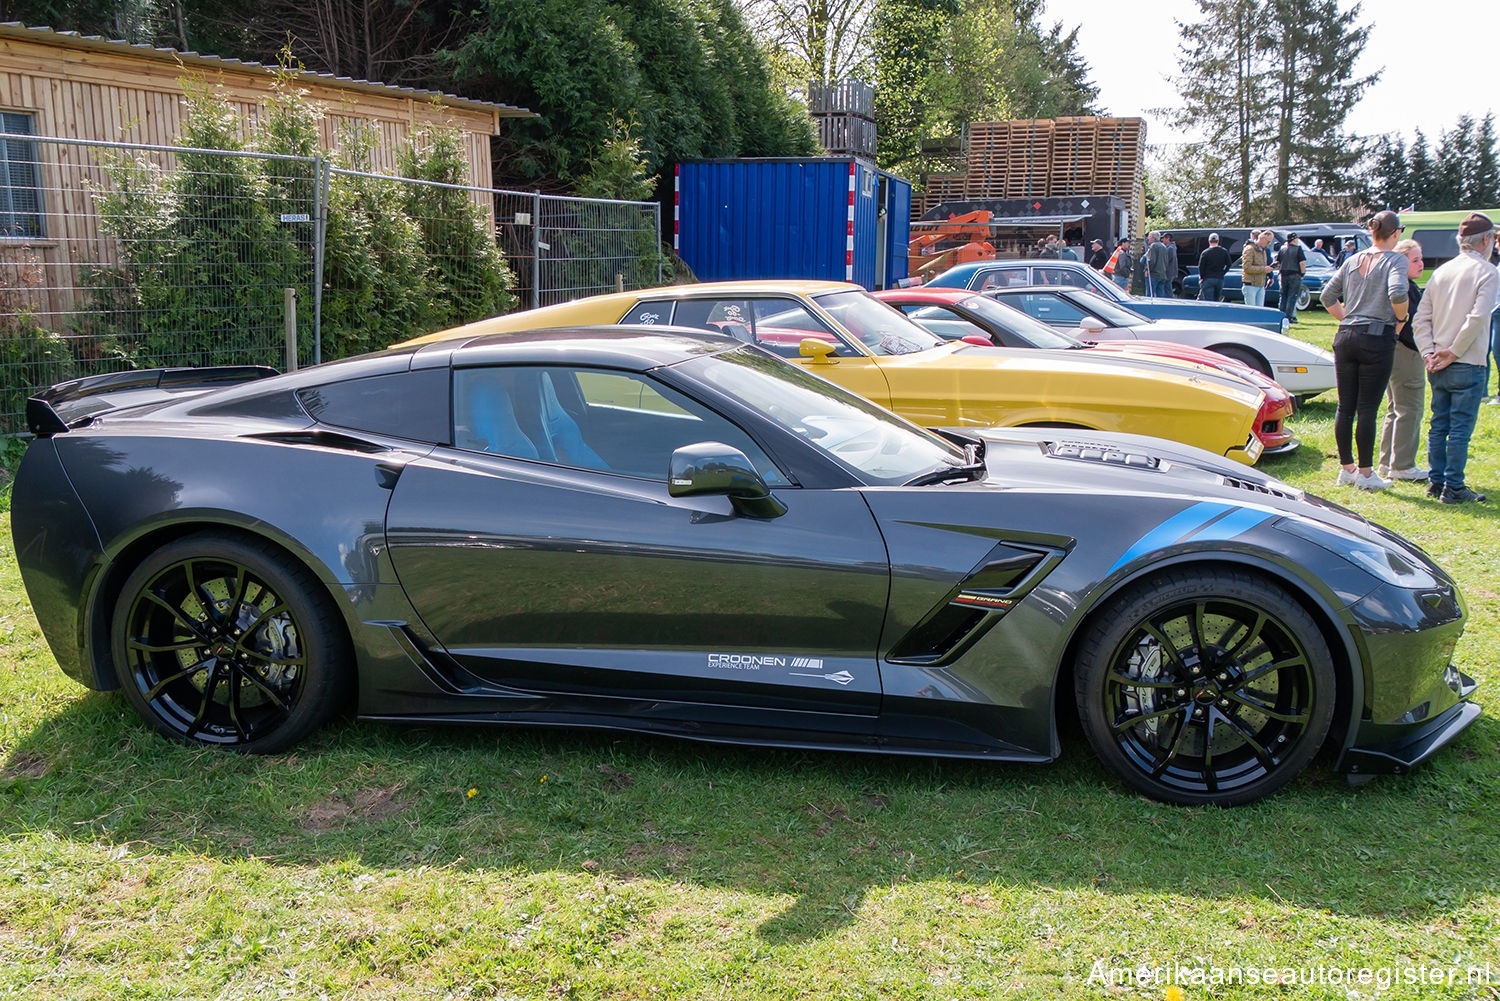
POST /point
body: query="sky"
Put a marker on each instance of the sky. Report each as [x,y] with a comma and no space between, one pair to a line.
[1132,51]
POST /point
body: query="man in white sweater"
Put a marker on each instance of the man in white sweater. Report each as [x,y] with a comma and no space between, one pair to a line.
[1451,329]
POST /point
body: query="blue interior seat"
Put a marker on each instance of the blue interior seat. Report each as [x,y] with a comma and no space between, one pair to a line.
[492,421]
[562,432]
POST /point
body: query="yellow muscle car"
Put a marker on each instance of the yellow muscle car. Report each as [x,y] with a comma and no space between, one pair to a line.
[851,338]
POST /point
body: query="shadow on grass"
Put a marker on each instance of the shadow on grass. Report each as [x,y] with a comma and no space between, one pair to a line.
[820,829]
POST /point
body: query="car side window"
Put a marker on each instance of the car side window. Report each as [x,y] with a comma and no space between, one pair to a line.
[1005,278]
[410,405]
[721,316]
[944,322]
[650,313]
[1047,308]
[776,324]
[599,419]
[1061,276]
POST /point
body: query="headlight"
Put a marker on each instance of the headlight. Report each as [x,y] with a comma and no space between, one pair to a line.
[1380,561]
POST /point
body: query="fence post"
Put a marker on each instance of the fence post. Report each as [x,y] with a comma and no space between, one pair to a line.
[656,212]
[289,306]
[321,174]
[536,249]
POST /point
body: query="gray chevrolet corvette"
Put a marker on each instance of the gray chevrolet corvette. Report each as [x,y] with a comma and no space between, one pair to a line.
[674,533]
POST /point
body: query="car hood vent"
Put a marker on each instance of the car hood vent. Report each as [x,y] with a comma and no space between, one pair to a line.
[1261,488]
[1092,451]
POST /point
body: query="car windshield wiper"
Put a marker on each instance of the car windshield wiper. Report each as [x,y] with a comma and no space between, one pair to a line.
[972,468]
[943,474]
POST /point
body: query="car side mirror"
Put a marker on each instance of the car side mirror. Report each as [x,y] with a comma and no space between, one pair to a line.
[979,340]
[712,467]
[820,351]
[1091,325]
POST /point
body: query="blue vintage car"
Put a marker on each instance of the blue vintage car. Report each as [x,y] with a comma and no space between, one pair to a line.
[981,275]
[1320,269]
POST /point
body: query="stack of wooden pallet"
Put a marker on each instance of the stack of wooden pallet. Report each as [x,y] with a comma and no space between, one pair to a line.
[1045,157]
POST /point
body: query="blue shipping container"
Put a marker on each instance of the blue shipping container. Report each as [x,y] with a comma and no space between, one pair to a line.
[836,218]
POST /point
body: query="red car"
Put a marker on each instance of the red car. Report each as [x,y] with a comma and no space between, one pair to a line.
[959,314]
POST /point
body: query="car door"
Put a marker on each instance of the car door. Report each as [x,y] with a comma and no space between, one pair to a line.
[543,551]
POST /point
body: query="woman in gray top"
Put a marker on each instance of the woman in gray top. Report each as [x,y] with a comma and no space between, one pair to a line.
[1368,298]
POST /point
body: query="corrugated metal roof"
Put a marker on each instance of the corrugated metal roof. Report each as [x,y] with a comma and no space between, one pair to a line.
[72,39]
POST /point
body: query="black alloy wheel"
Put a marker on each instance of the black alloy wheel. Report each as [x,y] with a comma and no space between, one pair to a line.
[1205,687]
[224,641]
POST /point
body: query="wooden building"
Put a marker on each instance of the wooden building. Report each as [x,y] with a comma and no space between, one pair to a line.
[61,85]
[69,86]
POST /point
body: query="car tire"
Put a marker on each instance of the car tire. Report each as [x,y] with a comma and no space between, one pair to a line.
[225,641]
[1206,687]
[1304,300]
[1245,356]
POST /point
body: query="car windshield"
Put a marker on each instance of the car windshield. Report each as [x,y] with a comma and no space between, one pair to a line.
[882,329]
[1318,259]
[1111,313]
[880,446]
[1032,331]
[1111,292]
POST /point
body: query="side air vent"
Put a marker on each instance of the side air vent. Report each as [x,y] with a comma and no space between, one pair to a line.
[319,438]
[1090,451]
[990,590]
[1231,481]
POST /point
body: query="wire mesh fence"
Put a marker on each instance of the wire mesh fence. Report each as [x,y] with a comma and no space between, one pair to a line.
[117,255]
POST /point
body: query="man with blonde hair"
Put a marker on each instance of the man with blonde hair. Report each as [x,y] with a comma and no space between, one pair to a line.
[1450,330]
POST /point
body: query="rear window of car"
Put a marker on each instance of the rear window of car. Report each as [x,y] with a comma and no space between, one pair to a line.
[650,313]
[401,404]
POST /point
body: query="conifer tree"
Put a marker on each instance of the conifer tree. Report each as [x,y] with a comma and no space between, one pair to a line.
[1455,152]
[1419,176]
[1225,93]
[1269,86]
[1313,46]
[1389,181]
[1482,185]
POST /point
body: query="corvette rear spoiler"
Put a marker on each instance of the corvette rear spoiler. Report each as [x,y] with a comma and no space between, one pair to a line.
[76,402]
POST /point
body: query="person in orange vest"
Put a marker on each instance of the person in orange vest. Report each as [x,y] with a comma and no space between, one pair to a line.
[1120,264]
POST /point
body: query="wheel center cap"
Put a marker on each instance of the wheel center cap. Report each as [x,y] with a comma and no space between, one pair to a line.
[223,650]
[1204,693]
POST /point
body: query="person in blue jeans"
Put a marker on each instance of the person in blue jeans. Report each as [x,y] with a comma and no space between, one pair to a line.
[1494,359]
[1450,330]
[1291,264]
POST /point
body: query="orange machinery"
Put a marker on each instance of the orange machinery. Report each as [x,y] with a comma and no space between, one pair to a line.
[947,242]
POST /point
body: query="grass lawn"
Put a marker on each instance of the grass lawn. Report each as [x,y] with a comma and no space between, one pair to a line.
[467,863]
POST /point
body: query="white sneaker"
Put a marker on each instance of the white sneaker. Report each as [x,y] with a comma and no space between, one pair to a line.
[1347,477]
[1372,482]
[1413,473]
[1494,401]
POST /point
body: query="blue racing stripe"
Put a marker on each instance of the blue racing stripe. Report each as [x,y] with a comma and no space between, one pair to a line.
[1227,527]
[1182,523]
